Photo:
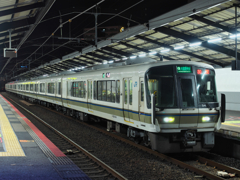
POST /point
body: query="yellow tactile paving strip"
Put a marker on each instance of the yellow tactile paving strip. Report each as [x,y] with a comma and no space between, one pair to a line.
[12,145]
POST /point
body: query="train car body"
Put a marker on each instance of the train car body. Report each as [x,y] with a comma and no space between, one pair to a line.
[182,118]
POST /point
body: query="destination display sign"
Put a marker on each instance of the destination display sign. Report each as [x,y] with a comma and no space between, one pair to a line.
[184,69]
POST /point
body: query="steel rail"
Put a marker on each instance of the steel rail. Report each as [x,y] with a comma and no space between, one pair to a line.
[94,158]
[218,165]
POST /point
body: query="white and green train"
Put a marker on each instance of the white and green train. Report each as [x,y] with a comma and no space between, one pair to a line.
[172,106]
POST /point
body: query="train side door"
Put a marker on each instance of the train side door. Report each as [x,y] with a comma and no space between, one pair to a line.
[141,100]
[89,94]
[127,107]
[188,102]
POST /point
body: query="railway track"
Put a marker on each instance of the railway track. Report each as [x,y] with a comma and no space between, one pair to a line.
[178,163]
[88,163]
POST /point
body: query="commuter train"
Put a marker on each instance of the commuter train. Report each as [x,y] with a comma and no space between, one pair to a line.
[171,106]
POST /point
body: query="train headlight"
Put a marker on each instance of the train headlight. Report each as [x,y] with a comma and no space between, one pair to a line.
[206,119]
[168,119]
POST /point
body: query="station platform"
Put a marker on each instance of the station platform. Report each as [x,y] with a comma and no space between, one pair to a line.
[26,153]
[231,126]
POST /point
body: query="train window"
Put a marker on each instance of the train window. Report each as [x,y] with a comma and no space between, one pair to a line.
[99,86]
[187,93]
[206,87]
[78,89]
[89,89]
[130,91]
[36,87]
[125,91]
[142,91]
[109,91]
[82,89]
[27,87]
[23,87]
[51,88]
[73,89]
[118,91]
[113,93]
[31,87]
[160,82]
[59,88]
[104,93]
[42,87]
[95,90]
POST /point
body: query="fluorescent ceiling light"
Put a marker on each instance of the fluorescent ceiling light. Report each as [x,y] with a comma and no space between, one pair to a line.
[153,52]
[165,50]
[195,44]
[132,57]
[142,55]
[233,36]
[110,61]
[178,47]
[214,40]
[124,58]
[104,62]
[83,67]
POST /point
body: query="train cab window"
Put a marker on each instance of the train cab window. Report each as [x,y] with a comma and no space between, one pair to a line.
[59,88]
[42,87]
[187,93]
[36,87]
[27,87]
[160,82]
[130,91]
[31,87]
[118,91]
[95,89]
[51,88]
[142,91]
[206,87]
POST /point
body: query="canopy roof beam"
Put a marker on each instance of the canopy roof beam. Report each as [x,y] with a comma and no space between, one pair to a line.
[192,39]
[22,8]
[180,50]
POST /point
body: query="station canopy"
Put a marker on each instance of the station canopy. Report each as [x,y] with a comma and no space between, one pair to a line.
[201,31]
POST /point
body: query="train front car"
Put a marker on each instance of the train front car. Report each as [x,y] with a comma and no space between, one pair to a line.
[186,108]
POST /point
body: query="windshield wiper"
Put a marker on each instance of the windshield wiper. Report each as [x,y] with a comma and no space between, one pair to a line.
[208,105]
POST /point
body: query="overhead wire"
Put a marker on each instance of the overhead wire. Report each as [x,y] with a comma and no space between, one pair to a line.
[80,34]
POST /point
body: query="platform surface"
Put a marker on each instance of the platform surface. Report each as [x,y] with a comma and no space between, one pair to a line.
[25,153]
[231,126]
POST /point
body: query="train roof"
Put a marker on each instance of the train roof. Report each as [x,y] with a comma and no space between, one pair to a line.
[139,67]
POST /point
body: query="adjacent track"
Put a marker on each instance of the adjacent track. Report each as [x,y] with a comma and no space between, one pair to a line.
[161,156]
